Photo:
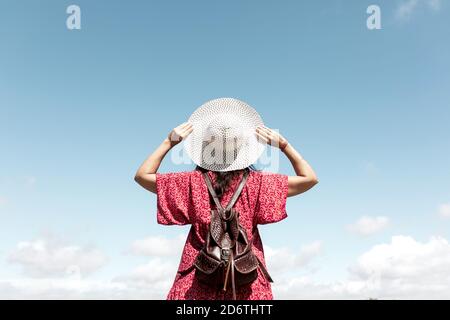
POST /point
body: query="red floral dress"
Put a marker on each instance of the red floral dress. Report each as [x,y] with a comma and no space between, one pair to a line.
[182,198]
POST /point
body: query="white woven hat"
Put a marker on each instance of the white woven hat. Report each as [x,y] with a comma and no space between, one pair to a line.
[223,136]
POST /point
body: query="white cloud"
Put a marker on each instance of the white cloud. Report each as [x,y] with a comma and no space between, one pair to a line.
[406,267]
[149,281]
[61,288]
[306,288]
[55,270]
[444,210]
[402,269]
[157,274]
[158,246]
[366,225]
[281,259]
[406,8]
[51,256]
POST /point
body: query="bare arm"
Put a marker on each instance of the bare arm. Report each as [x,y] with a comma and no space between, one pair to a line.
[305,177]
[146,174]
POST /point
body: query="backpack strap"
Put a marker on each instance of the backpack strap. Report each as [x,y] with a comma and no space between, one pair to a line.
[212,191]
[238,191]
[235,195]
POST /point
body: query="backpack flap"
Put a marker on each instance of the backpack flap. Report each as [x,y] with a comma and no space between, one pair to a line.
[246,263]
[206,264]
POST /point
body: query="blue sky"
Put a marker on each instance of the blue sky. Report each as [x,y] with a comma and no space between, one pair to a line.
[80,110]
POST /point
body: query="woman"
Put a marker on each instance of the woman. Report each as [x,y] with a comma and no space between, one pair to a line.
[183,198]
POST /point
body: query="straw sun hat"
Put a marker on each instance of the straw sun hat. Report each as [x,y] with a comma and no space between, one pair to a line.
[223,136]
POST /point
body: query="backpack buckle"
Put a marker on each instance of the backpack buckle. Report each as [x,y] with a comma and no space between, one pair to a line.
[225,254]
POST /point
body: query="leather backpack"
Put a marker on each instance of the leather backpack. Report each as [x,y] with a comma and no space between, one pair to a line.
[227,255]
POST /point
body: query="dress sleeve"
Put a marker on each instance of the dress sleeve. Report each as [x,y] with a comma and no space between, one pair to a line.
[271,203]
[173,198]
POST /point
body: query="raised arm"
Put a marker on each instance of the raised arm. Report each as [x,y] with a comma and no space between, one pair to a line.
[306,177]
[146,174]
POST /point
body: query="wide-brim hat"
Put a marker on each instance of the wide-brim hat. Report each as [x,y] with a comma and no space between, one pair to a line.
[223,136]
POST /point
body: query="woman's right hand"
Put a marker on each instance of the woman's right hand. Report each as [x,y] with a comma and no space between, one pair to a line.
[179,133]
[271,137]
